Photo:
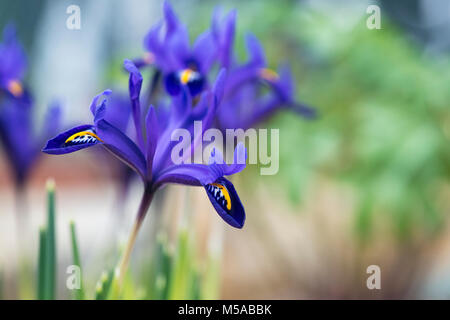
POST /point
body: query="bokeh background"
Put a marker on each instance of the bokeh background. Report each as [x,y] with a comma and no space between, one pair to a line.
[367,183]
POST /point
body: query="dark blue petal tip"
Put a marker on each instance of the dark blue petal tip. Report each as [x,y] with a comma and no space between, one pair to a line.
[226,201]
[72,140]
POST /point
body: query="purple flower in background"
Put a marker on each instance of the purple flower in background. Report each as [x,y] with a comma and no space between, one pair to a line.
[223,31]
[182,65]
[13,63]
[249,106]
[19,137]
[17,129]
[245,103]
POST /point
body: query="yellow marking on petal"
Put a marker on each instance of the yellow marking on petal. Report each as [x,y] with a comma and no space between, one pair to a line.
[186,75]
[268,74]
[225,194]
[15,87]
[82,133]
[149,58]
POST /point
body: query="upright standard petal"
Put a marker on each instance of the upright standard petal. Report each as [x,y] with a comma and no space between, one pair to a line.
[255,51]
[178,46]
[95,105]
[171,19]
[135,84]
[153,42]
[135,80]
[204,51]
[224,35]
[13,62]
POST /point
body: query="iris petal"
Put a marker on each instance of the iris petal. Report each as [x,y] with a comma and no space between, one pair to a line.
[196,85]
[152,138]
[187,77]
[172,83]
[13,62]
[225,200]
[201,174]
[239,161]
[122,147]
[204,52]
[72,140]
[171,18]
[188,174]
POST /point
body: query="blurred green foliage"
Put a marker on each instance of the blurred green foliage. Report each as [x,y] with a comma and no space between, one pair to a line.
[383,102]
[383,106]
[170,273]
[47,272]
[104,286]
[175,272]
[78,293]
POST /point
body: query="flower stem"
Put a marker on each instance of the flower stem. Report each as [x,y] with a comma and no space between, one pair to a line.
[22,221]
[143,207]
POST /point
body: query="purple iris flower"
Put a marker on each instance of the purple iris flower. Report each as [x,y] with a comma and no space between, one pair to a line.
[181,64]
[150,158]
[246,103]
[223,31]
[17,131]
[13,64]
[19,137]
[250,105]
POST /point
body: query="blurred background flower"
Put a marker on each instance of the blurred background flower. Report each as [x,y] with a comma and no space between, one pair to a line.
[19,133]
